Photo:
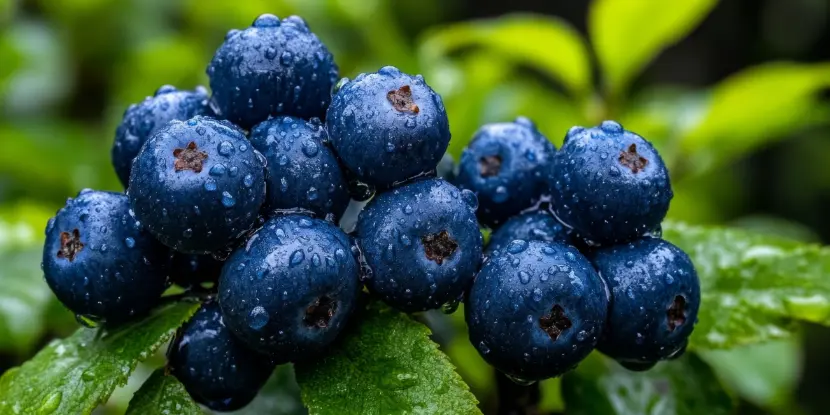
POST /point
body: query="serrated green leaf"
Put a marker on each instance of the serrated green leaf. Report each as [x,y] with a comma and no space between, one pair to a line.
[163,394]
[628,34]
[752,108]
[546,43]
[386,364]
[685,386]
[76,374]
[754,287]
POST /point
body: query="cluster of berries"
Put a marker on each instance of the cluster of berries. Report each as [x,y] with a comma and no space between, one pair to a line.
[240,194]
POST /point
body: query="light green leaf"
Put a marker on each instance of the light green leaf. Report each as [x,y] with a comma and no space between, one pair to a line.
[765,374]
[685,386]
[76,374]
[163,394]
[754,107]
[628,34]
[386,364]
[754,287]
[548,44]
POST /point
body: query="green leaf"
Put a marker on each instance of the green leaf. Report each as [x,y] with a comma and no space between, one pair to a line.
[76,374]
[386,364]
[754,107]
[546,43]
[754,287]
[685,386]
[628,34]
[163,394]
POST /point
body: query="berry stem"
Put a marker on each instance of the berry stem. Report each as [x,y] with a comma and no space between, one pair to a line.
[516,399]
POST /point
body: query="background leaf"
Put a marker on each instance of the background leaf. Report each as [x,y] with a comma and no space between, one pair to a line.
[385,365]
[76,374]
[754,287]
[685,386]
[163,394]
[628,34]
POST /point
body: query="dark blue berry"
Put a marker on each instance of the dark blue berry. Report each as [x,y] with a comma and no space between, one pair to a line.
[532,226]
[422,244]
[535,311]
[100,262]
[290,291]
[272,68]
[214,367]
[610,185]
[198,185]
[388,126]
[193,270]
[141,120]
[303,171]
[507,165]
[655,296]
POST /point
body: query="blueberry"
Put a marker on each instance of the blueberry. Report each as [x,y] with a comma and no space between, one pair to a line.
[272,68]
[189,271]
[303,171]
[216,369]
[609,184]
[535,311]
[290,291]
[100,262]
[388,126]
[531,226]
[198,185]
[141,120]
[508,166]
[655,296]
[422,244]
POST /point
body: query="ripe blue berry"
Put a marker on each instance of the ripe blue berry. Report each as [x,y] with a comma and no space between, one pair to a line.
[141,120]
[100,262]
[303,171]
[214,367]
[272,68]
[197,185]
[388,126]
[290,291]
[507,165]
[189,271]
[610,185]
[422,244]
[532,226]
[655,296]
[536,310]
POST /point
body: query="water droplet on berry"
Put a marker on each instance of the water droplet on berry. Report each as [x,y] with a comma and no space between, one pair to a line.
[226,148]
[227,200]
[258,318]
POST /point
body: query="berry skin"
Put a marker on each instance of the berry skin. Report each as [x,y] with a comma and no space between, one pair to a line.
[188,271]
[198,185]
[274,67]
[100,262]
[388,126]
[536,310]
[141,120]
[532,226]
[214,367]
[303,172]
[655,296]
[290,291]
[609,184]
[422,244]
[507,165]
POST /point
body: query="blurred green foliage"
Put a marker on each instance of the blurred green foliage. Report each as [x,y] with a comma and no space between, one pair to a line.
[68,69]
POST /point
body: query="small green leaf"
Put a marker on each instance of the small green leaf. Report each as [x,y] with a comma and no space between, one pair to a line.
[548,44]
[76,374]
[163,394]
[386,364]
[754,107]
[754,287]
[685,386]
[628,34]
